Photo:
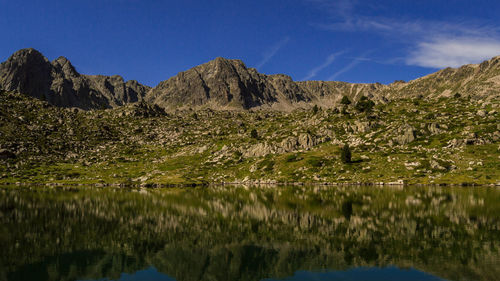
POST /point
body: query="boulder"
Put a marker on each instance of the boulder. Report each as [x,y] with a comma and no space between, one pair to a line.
[307,141]
[407,135]
[435,128]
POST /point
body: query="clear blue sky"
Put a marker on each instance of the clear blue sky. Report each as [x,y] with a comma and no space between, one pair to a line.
[354,41]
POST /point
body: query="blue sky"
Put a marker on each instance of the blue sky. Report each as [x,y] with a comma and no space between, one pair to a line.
[354,41]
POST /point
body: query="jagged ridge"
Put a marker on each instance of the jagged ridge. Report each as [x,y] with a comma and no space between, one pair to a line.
[228,84]
[58,82]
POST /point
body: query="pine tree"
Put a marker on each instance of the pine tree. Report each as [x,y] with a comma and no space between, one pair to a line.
[345,154]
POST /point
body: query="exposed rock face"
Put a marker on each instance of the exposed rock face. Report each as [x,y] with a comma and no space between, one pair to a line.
[289,144]
[58,82]
[224,83]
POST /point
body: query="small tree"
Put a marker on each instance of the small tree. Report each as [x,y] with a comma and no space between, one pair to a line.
[364,104]
[345,154]
[315,109]
[254,134]
[345,101]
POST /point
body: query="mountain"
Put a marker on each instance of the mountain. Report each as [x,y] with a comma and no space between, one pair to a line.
[224,83]
[229,84]
[479,81]
[29,72]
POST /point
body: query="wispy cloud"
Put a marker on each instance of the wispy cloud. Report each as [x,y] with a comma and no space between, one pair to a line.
[455,52]
[349,66]
[433,44]
[271,52]
[328,61]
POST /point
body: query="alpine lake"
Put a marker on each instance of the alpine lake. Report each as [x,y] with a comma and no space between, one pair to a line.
[250,233]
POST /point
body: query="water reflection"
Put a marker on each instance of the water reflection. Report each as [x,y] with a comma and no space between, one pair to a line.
[241,233]
[373,274]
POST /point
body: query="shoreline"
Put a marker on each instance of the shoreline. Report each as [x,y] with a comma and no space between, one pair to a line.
[254,183]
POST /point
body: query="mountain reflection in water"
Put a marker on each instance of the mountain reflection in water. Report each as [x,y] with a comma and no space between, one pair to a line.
[250,233]
[372,274]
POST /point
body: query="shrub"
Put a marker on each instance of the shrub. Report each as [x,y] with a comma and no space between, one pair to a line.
[315,162]
[237,154]
[364,104]
[315,109]
[291,158]
[345,154]
[254,134]
[345,100]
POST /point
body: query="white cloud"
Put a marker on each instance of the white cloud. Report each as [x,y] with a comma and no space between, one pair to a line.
[271,52]
[328,61]
[431,43]
[441,53]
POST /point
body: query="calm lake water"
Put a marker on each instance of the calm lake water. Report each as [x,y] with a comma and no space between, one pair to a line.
[250,233]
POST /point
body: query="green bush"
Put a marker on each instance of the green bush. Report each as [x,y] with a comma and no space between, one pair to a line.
[315,109]
[315,162]
[254,134]
[291,158]
[364,104]
[345,100]
[345,154]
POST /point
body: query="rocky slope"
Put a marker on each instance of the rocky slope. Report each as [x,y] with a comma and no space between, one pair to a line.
[479,81]
[29,72]
[447,140]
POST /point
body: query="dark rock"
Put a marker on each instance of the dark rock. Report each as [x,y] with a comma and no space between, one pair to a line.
[29,72]
[6,154]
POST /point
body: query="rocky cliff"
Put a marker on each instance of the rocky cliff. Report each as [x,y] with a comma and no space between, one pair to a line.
[58,82]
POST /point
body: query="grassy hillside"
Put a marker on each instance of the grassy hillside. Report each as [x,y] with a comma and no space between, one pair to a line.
[450,140]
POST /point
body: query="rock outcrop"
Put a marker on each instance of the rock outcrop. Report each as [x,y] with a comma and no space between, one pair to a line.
[407,135]
[29,72]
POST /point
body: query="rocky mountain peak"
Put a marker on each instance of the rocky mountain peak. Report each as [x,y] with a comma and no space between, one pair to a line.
[28,55]
[64,65]
[219,84]
[29,72]
[26,71]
